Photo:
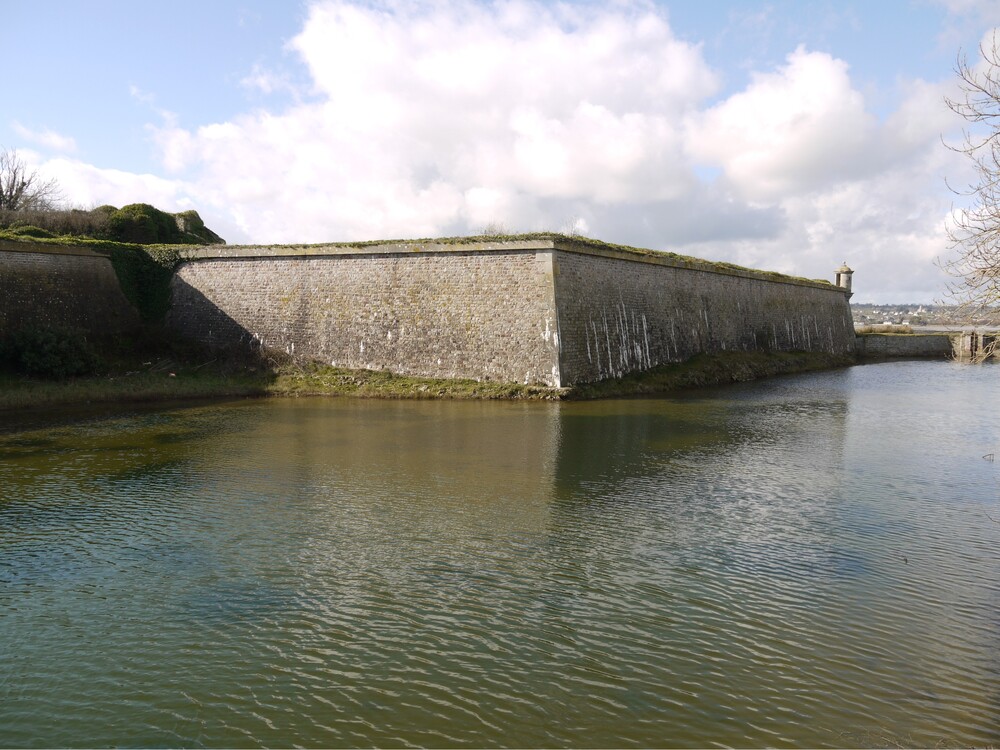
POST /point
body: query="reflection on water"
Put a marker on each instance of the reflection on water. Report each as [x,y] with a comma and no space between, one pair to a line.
[805,561]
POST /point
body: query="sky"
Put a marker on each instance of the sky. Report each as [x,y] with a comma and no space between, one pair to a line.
[786,135]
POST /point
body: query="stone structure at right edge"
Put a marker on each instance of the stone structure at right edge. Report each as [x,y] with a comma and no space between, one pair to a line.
[843,280]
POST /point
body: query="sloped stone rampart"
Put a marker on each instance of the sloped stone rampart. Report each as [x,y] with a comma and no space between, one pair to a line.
[617,316]
[448,315]
[537,311]
[62,287]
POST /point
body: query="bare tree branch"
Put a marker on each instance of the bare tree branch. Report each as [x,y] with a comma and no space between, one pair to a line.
[21,190]
[974,231]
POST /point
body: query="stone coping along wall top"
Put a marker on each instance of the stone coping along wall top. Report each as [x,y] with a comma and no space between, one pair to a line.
[563,243]
[61,286]
[13,246]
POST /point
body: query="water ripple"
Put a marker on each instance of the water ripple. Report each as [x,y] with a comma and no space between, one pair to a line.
[761,566]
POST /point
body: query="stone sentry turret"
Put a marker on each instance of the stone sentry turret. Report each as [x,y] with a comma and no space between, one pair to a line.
[844,275]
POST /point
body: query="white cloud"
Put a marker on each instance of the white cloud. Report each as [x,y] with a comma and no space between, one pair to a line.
[266,81]
[921,118]
[966,18]
[442,117]
[985,10]
[430,117]
[889,227]
[88,186]
[795,129]
[48,139]
[801,141]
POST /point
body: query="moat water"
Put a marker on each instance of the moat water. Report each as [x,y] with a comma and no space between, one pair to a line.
[807,561]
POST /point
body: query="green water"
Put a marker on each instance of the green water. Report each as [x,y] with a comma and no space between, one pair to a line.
[808,561]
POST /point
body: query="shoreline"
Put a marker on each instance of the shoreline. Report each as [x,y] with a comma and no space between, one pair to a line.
[181,382]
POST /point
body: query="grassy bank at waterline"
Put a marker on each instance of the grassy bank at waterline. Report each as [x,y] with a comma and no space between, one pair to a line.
[706,370]
[169,380]
[178,383]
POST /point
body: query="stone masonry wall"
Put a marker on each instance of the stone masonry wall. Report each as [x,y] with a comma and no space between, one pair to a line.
[618,315]
[908,345]
[548,311]
[486,315]
[64,287]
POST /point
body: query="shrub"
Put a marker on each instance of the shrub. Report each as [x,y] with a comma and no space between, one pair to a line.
[137,223]
[494,230]
[76,222]
[105,210]
[49,353]
[29,230]
[143,224]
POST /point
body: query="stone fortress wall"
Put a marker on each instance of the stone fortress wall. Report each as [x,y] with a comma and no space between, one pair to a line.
[448,314]
[554,311]
[61,287]
[619,314]
[550,311]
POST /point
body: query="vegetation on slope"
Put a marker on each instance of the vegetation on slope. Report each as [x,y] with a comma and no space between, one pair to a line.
[138,223]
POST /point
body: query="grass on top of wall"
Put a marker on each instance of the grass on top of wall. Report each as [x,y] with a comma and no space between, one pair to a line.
[144,271]
[566,239]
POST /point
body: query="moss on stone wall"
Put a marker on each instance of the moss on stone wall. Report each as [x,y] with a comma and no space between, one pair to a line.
[143,271]
[144,274]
